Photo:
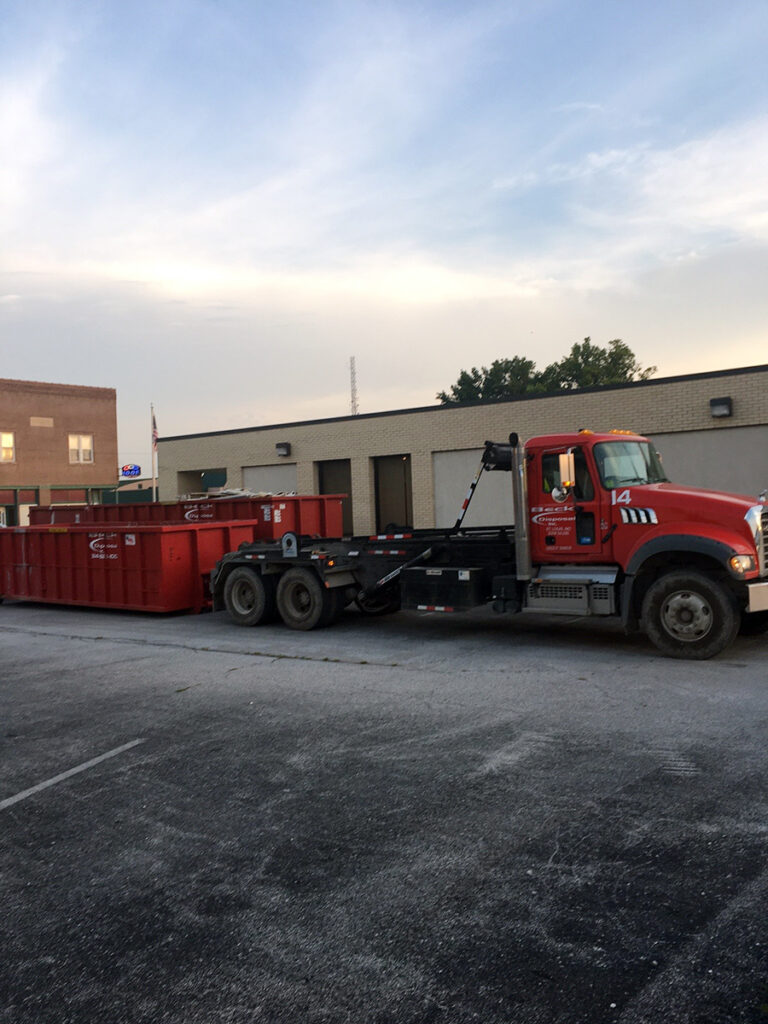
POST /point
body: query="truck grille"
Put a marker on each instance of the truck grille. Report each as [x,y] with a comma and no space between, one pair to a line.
[763,554]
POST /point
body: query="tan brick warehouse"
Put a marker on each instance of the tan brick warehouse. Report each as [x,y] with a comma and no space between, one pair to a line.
[728,453]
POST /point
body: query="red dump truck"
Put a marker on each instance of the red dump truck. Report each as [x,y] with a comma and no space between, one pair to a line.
[599,530]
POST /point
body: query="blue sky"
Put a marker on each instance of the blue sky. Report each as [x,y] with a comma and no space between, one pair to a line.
[212,205]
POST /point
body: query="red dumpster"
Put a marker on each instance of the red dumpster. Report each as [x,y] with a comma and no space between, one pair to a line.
[314,515]
[149,568]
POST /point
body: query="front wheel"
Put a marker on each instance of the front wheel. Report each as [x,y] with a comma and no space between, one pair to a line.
[690,615]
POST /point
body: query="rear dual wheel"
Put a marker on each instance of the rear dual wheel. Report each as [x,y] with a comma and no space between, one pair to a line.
[304,603]
[249,597]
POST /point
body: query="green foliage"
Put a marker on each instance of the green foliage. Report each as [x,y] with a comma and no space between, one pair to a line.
[585,366]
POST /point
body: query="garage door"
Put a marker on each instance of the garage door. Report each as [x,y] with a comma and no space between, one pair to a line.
[454,472]
[270,479]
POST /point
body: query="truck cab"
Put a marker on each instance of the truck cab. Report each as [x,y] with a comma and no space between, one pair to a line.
[617,513]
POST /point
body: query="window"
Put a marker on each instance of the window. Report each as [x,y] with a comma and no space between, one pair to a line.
[550,466]
[7,447]
[81,447]
[628,462]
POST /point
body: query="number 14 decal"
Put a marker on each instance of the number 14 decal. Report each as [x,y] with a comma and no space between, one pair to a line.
[621,497]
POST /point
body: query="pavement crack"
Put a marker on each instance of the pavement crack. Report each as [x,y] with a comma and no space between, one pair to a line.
[273,656]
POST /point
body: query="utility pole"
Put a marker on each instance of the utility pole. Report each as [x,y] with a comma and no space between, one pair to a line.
[353,386]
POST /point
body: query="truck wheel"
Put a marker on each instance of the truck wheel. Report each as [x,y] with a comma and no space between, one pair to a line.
[249,597]
[754,623]
[689,615]
[303,602]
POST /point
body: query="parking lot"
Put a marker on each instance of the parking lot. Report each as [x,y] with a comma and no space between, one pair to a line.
[393,821]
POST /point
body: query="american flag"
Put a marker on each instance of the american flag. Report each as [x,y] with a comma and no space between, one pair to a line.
[154,433]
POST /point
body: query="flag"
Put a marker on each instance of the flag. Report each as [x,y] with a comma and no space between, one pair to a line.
[154,432]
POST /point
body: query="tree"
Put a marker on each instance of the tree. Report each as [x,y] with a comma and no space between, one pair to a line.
[585,366]
[588,366]
[503,378]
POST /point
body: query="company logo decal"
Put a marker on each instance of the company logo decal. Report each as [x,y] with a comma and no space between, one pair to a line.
[103,545]
[638,515]
[199,513]
[552,515]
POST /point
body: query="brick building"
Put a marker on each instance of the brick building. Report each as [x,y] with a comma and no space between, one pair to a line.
[58,444]
[413,466]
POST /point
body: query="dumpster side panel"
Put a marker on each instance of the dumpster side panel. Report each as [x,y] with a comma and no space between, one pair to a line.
[145,567]
[312,515]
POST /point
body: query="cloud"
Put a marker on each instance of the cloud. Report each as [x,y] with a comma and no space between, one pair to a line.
[578,107]
[715,184]
[645,205]
[29,138]
[356,195]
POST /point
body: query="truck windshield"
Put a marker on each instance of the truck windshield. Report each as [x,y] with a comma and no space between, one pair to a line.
[620,463]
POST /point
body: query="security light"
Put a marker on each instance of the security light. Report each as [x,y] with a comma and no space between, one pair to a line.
[719,407]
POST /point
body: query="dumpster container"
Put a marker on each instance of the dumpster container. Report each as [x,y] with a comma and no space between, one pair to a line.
[149,568]
[312,515]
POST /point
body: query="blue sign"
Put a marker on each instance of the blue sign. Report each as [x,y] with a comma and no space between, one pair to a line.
[130,471]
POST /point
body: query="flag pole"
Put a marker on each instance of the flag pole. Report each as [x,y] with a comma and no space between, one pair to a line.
[154,452]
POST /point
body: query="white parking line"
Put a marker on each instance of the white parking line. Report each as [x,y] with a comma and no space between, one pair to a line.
[9,801]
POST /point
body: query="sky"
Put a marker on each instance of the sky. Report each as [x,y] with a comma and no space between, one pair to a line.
[211,205]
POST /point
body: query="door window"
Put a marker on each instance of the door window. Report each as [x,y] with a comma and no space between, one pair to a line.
[550,467]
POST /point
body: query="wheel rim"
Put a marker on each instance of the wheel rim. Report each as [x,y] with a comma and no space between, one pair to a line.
[299,599]
[686,616]
[243,598]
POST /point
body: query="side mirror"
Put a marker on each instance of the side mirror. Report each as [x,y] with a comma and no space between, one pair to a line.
[567,470]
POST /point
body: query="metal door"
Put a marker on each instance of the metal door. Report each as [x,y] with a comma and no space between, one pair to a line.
[564,527]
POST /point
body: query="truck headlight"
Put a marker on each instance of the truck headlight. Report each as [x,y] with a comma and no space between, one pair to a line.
[741,564]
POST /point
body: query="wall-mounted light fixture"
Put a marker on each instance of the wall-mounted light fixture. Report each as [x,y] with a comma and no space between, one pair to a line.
[720,407]
[283,448]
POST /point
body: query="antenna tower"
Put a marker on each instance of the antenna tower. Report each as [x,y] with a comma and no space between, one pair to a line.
[353,386]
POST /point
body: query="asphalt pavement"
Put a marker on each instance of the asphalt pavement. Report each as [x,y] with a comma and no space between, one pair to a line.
[391,821]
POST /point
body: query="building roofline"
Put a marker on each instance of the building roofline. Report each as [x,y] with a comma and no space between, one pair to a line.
[705,375]
[50,386]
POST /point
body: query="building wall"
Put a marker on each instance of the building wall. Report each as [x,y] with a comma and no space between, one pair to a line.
[664,409]
[41,417]
[734,459]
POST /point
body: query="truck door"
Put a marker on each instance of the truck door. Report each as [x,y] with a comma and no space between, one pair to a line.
[566,529]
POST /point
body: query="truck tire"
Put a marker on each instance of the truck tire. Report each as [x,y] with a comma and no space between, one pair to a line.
[249,597]
[302,600]
[690,615]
